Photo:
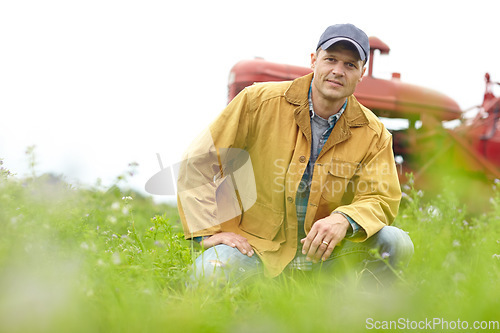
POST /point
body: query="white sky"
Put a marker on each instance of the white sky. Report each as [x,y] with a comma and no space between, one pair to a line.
[97,84]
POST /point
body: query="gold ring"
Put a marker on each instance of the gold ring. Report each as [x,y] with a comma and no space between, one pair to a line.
[326,243]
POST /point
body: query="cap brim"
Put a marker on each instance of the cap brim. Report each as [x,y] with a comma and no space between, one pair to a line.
[326,45]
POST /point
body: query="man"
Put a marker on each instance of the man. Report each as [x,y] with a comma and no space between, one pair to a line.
[320,181]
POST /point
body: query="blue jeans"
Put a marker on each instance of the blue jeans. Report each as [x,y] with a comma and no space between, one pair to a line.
[392,245]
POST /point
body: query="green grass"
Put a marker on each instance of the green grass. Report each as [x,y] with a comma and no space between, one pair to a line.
[110,260]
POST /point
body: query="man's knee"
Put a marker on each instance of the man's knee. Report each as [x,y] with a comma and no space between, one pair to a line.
[211,262]
[223,262]
[395,244]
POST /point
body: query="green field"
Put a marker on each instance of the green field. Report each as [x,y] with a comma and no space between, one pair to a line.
[106,259]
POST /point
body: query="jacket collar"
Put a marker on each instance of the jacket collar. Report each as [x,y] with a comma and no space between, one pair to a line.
[297,93]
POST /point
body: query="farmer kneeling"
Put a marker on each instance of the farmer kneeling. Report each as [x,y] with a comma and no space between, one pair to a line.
[296,175]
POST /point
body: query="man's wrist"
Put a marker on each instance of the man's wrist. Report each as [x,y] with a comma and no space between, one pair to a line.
[199,239]
[353,228]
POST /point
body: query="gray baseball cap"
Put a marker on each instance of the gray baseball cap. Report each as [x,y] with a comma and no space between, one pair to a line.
[348,32]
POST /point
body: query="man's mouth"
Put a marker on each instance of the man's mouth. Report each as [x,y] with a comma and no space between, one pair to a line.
[335,82]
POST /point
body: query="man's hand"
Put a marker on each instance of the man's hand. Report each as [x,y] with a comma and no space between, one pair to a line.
[230,239]
[329,230]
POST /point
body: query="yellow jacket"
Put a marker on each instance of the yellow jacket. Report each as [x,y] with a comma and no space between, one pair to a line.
[354,174]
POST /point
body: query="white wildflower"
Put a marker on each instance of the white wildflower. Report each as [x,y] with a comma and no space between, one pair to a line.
[406,196]
[458,277]
[433,211]
[116,258]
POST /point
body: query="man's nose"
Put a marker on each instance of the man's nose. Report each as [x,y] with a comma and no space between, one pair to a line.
[338,69]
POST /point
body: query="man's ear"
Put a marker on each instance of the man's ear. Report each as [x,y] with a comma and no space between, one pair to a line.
[362,74]
[313,60]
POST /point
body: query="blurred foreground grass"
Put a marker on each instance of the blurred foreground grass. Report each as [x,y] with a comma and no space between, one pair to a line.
[109,260]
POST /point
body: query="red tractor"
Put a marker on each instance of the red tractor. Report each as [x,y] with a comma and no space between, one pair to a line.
[468,155]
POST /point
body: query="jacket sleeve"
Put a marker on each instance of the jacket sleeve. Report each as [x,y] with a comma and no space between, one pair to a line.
[377,190]
[206,188]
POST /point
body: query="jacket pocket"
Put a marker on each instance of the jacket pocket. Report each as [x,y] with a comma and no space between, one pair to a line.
[262,221]
[338,180]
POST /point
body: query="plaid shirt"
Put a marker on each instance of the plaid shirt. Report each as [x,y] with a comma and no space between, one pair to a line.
[302,197]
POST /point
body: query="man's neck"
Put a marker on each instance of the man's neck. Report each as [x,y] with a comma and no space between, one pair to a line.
[324,108]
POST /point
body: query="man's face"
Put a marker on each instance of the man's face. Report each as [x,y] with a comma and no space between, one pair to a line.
[337,71]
